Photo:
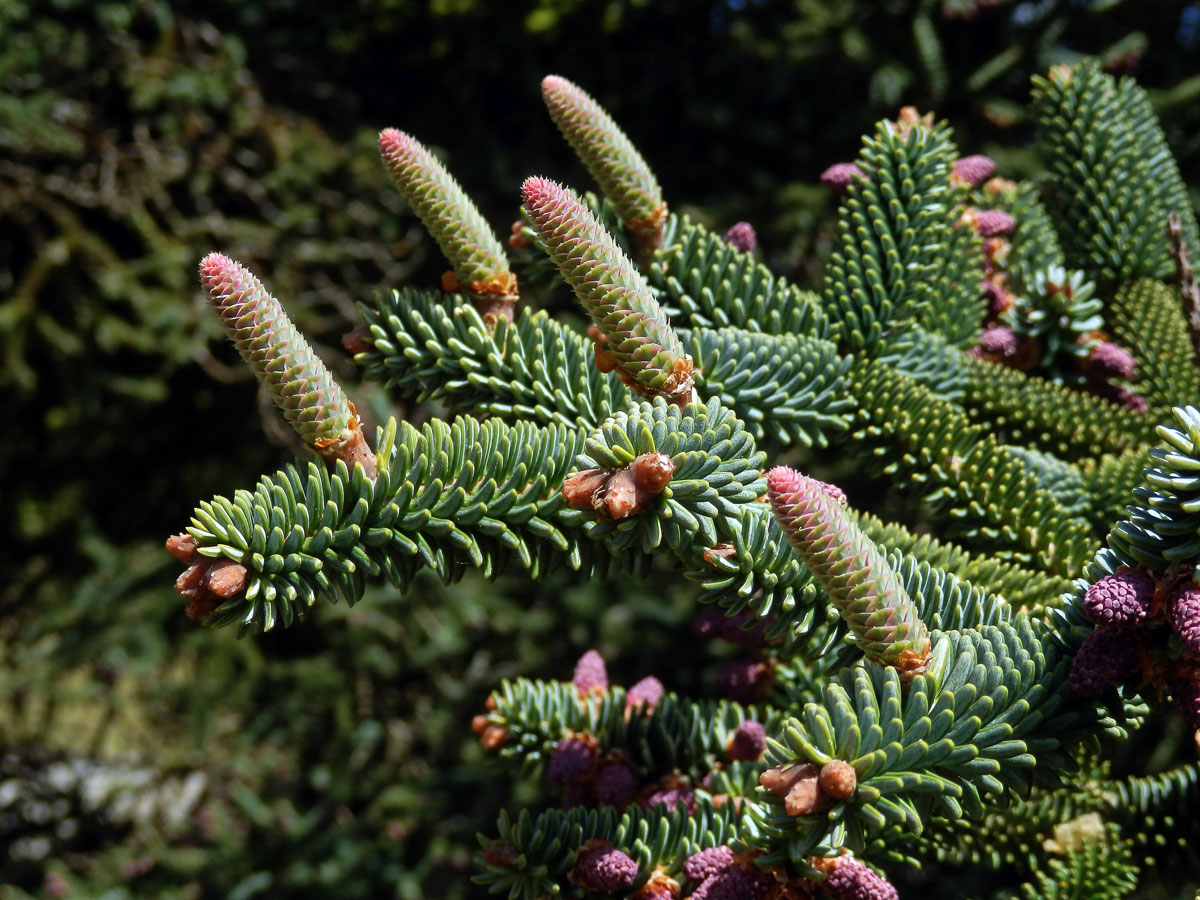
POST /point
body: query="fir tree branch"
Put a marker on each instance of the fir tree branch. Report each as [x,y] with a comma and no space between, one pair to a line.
[712,285]
[1032,412]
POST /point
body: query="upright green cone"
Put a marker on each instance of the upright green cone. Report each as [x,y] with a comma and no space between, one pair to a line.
[867,593]
[611,159]
[480,267]
[635,335]
[303,389]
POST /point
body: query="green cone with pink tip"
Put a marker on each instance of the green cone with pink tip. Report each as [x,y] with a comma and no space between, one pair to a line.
[611,159]
[299,383]
[867,593]
[636,337]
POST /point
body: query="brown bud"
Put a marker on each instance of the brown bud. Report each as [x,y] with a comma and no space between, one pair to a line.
[660,886]
[202,604]
[493,737]
[355,342]
[620,498]
[500,854]
[191,580]
[579,489]
[479,724]
[719,551]
[652,472]
[226,578]
[805,797]
[798,786]
[605,360]
[838,779]
[517,239]
[182,547]
[778,780]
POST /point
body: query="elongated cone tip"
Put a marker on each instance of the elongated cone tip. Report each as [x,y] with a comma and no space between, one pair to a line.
[553,84]
[219,271]
[537,191]
[784,480]
[393,142]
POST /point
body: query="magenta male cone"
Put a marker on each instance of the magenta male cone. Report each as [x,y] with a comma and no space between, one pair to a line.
[637,334]
[867,593]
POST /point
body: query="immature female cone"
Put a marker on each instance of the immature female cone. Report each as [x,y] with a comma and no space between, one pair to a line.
[867,593]
[635,334]
[303,389]
[611,159]
[480,268]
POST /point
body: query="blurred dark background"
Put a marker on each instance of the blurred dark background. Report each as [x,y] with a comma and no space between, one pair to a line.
[142,755]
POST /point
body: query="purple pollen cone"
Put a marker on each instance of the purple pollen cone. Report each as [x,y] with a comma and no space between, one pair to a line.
[748,741]
[1104,659]
[1119,600]
[1185,618]
[570,761]
[707,863]
[852,879]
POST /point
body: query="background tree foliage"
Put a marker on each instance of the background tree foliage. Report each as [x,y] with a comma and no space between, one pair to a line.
[142,756]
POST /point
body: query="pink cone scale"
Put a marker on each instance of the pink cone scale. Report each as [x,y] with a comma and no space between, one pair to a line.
[1105,658]
[707,863]
[1119,600]
[742,237]
[994,223]
[852,879]
[302,387]
[1185,618]
[972,171]
[1107,358]
[839,176]
[1186,694]
[734,883]
[748,741]
[867,593]
[999,340]
[646,693]
[571,759]
[609,156]
[473,250]
[615,784]
[591,676]
[602,867]
[636,332]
